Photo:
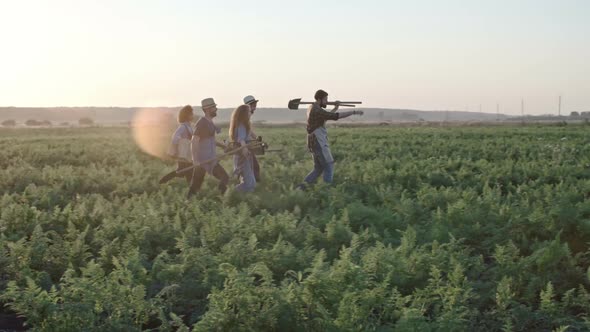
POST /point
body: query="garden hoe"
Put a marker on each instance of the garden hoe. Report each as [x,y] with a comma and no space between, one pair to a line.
[257,147]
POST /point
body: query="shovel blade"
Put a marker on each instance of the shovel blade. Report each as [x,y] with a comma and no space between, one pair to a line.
[294,104]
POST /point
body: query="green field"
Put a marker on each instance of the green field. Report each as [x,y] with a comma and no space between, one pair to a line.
[424,229]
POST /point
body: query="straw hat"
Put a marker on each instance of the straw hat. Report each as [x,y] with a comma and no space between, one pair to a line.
[207,103]
[249,100]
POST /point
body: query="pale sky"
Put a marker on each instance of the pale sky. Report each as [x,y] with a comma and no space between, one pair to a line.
[428,55]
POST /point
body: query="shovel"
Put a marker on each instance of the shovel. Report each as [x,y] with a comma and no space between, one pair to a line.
[294,103]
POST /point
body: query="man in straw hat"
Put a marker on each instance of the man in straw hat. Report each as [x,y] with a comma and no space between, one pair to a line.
[203,147]
[317,137]
[253,102]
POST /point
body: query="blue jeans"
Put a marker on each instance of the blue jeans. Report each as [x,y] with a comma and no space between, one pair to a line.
[248,182]
[320,166]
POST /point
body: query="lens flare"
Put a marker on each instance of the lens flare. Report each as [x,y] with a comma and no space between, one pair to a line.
[152,130]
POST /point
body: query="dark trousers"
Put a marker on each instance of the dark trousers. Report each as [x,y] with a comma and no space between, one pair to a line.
[199,175]
[186,174]
[256,168]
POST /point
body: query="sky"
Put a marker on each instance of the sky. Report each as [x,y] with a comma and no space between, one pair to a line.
[427,55]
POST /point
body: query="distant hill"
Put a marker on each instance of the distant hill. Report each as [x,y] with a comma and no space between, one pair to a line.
[122,115]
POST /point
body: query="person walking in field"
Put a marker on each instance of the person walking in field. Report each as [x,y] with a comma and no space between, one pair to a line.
[204,152]
[240,134]
[180,146]
[253,102]
[317,137]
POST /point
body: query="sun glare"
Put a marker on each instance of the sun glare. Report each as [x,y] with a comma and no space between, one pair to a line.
[152,129]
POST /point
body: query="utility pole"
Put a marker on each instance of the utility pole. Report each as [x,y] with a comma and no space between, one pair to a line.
[522,109]
[497,112]
[559,107]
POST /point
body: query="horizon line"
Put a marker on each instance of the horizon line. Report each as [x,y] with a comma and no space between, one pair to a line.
[259,108]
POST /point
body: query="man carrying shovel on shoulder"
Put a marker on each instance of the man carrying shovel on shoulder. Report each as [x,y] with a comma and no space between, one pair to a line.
[204,152]
[317,137]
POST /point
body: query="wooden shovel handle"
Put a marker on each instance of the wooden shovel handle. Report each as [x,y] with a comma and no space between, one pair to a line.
[346,102]
[342,103]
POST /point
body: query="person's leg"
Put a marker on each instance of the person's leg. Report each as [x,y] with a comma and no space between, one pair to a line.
[222,176]
[329,172]
[256,168]
[188,175]
[249,182]
[197,180]
[168,177]
[237,171]
[327,167]
[181,165]
[318,169]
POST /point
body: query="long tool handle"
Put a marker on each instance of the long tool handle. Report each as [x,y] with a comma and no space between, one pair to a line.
[342,103]
[346,102]
[216,158]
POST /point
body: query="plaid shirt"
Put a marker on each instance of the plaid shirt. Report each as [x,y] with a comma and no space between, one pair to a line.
[317,117]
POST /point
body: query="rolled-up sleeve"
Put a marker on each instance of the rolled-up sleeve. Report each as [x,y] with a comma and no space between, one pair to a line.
[325,115]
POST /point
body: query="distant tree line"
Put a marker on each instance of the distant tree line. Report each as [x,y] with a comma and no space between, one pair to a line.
[33,123]
[37,123]
[8,123]
[86,122]
[580,114]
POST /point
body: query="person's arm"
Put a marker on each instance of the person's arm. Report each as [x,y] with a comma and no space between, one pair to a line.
[337,103]
[177,135]
[202,131]
[253,135]
[220,145]
[325,115]
[346,114]
[195,146]
[173,149]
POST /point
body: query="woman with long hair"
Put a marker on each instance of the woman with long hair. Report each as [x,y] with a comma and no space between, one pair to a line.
[181,141]
[239,132]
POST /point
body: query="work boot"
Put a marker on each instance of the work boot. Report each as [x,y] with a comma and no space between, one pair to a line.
[301,187]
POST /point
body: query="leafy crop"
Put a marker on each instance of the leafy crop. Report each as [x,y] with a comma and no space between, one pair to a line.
[424,229]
